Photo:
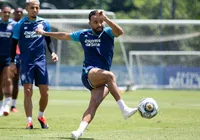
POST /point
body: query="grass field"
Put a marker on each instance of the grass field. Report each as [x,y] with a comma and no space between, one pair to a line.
[178,117]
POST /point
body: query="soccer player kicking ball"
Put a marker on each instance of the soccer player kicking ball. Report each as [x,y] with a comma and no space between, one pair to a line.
[33,59]
[98,45]
[6,31]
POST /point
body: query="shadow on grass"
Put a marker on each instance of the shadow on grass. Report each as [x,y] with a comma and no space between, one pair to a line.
[69,138]
[9,128]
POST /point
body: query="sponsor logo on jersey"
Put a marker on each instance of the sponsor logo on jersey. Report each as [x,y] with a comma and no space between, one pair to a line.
[92,42]
[31,34]
[5,34]
[27,22]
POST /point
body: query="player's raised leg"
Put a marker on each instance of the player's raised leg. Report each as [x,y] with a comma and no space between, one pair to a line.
[42,105]
[97,96]
[28,106]
[99,77]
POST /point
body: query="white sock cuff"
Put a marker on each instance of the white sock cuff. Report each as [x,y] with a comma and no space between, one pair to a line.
[40,114]
[84,123]
[29,119]
[7,101]
[14,102]
[8,98]
[1,104]
[83,126]
[121,104]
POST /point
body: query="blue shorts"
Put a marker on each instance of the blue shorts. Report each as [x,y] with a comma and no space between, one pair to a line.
[34,72]
[84,78]
[4,62]
[17,61]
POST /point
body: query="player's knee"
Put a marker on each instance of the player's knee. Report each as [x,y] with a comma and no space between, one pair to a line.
[8,82]
[44,95]
[28,92]
[44,92]
[111,77]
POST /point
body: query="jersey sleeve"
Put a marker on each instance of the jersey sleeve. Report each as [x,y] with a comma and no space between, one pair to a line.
[75,35]
[16,31]
[108,30]
[48,27]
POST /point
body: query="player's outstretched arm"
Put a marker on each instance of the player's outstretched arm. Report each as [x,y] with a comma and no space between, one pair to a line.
[56,35]
[116,29]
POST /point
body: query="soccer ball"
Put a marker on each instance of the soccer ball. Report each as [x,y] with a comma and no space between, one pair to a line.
[148,108]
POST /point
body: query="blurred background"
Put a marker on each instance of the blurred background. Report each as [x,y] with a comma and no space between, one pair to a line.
[159,49]
[127,9]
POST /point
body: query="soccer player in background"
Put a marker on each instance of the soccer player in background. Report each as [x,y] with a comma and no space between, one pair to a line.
[6,31]
[98,45]
[17,15]
[33,59]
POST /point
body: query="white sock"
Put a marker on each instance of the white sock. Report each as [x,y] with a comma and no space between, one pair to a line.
[7,102]
[40,114]
[83,125]
[29,119]
[122,105]
[14,102]
[1,104]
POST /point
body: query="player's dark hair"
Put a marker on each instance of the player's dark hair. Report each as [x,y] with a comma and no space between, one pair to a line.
[92,13]
[18,8]
[27,4]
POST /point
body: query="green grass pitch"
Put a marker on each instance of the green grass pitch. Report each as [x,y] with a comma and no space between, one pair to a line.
[178,117]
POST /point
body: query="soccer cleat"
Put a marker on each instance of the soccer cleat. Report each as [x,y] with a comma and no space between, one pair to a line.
[129,112]
[43,122]
[13,109]
[76,135]
[29,125]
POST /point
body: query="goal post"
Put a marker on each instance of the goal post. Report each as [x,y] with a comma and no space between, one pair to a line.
[165,69]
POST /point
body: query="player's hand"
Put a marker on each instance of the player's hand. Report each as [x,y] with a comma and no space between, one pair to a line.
[101,15]
[13,69]
[54,57]
[40,31]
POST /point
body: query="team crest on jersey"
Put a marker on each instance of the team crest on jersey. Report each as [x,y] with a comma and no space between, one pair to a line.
[9,27]
[40,26]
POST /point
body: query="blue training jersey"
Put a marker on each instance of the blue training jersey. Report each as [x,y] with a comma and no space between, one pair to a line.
[32,46]
[98,48]
[6,31]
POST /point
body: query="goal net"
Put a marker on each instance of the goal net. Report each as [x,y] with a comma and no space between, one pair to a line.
[161,37]
[165,69]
